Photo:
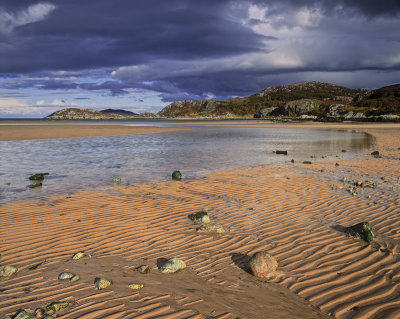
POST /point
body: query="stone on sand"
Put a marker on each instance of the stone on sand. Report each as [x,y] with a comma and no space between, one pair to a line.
[362,231]
[172,265]
[262,264]
[101,283]
[7,271]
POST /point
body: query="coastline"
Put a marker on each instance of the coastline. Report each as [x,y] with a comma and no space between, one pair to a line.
[295,212]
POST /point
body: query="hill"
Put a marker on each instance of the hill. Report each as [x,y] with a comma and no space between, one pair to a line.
[119,111]
[312,100]
[88,114]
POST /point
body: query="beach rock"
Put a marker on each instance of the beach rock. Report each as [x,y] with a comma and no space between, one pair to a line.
[57,306]
[78,255]
[200,217]
[22,314]
[143,269]
[65,276]
[307,162]
[176,175]
[216,229]
[135,286]
[292,160]
[38,176]
[7,271]
[262,264]
[101,283]
[375,153]
[281,152]
[172,265]
[362,231]
[75,278]
[39,313]
[117,179]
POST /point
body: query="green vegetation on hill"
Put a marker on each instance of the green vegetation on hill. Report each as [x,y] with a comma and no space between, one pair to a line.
[385,100]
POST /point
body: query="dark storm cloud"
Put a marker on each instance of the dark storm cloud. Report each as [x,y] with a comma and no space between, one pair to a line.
[195,49]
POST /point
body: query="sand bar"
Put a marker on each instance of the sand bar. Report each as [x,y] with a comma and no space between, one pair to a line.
[297,212]
[34,132]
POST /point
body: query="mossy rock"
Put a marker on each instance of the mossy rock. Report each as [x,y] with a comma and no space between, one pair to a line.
[176,175]
[36,185]
[57,306]
[38,176]
[200,217]
[362,231]
[101,283]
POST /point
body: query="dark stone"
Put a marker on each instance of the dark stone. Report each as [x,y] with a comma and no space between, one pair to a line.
[292,161]
[176,175]
[344,151]
[375,153]
[200,217]
[307,162]
[361,230]
[337,164]
[38,176]
[281,152]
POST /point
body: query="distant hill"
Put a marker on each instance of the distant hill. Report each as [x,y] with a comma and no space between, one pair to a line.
[118,111]
[311,100]
[88,114]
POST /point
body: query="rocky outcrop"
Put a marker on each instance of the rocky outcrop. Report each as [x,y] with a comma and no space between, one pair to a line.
[338,112]
[299,107]
[267,111]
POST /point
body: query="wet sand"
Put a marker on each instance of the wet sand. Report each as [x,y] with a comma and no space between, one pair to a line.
[38,132]
[297,212]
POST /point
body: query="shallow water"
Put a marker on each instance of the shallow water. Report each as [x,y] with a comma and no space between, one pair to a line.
[92,162]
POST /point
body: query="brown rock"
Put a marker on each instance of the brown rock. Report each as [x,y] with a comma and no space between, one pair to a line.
[262,264]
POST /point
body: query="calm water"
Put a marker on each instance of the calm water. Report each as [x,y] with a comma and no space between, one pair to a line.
[92,162]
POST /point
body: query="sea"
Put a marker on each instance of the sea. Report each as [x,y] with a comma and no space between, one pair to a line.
[74,164]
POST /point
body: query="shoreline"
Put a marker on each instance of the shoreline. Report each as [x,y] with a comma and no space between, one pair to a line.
[297,213]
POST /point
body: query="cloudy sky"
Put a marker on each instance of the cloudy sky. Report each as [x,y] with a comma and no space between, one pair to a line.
[141,55]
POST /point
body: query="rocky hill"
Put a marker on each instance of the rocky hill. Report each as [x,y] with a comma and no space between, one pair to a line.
[88,114]
[310,100]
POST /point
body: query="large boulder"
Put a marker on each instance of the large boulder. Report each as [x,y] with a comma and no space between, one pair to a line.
[262,264]
[172,265]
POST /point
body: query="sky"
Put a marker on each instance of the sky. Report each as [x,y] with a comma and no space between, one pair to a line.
[142,55]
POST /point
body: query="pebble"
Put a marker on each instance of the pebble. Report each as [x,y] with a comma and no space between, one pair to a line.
[22,315]
[172,265]
[216,229]
[101,283]
[7,271]
[65,276]
[78,255]
[200,217]
[143,269]
[135,286]
[57,306]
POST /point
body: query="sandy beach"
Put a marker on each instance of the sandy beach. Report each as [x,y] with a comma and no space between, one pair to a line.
[296,212]
[38,132]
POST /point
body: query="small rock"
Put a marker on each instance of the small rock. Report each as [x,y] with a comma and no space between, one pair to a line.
[172,265]
[117,179]
[143,269]
[375,153]
[344,151]
[216,229]
[78,255]
[336,164]
[292,160]
[200,217]
[7,271]
[39,313]
[135,286]
[176,175]
[22,314]
[65,276]
[262,264]
[281,152]
[75,278]
[362,231]
[101,283]
[307,162]
[38,176]
[57,306]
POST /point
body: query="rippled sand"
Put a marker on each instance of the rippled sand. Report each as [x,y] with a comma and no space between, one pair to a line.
[297,212]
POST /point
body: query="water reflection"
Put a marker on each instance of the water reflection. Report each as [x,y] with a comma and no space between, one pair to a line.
[92,162]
